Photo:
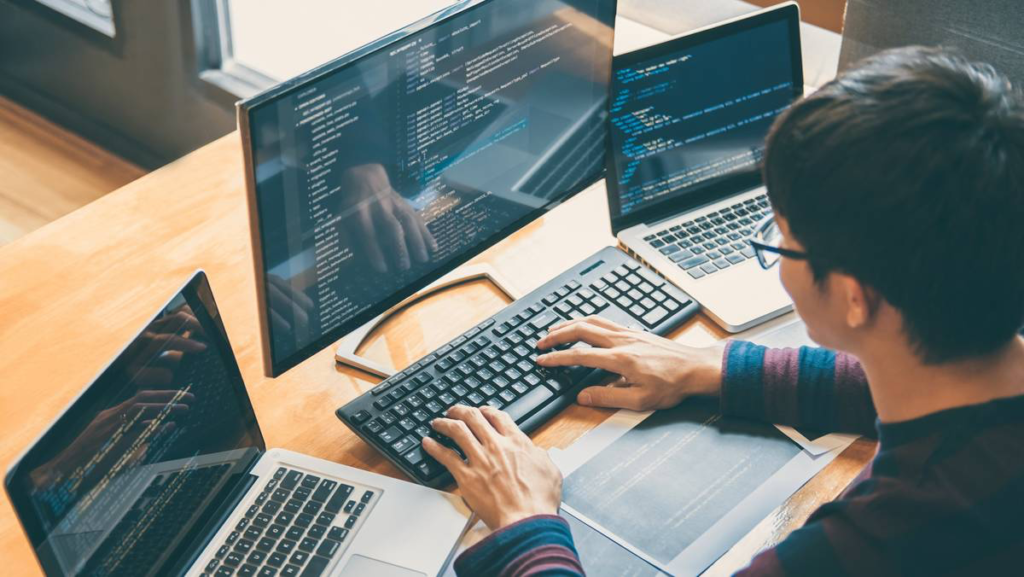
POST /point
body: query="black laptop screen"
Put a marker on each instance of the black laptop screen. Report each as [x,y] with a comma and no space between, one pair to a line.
[128,475]
[692,113]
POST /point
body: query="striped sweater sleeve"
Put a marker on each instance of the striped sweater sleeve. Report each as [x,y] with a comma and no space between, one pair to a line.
[806,387]
[539,545]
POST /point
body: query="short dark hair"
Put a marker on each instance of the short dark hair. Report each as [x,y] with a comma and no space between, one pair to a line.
[907,173]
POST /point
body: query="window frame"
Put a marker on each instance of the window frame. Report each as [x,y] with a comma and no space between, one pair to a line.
[215,55]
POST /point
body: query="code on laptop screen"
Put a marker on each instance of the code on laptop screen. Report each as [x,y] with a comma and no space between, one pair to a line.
[691,118]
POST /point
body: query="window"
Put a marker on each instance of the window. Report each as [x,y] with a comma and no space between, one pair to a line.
[249,45]
[96,14]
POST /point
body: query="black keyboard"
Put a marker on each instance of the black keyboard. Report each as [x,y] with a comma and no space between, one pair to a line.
[295,527]
[714,241]
[494,362]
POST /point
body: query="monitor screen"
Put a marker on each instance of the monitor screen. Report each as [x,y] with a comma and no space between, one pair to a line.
[379,173]
[126,478]
[696,112]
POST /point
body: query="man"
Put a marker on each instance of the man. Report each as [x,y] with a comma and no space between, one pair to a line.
[898,192]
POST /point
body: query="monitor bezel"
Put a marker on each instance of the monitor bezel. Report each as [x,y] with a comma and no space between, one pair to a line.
[197,290]
[247,107]
[702,194]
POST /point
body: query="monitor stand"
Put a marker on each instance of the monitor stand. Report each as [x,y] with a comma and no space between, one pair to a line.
[346,352]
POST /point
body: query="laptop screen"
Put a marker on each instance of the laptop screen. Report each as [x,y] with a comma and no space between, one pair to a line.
[133,470]
[694,112]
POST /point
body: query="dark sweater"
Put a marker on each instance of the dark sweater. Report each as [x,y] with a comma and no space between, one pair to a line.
[944,494]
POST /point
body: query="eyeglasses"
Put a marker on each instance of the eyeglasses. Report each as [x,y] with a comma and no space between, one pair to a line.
[765,242]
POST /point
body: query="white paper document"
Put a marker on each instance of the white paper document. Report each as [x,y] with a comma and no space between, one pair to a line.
[679,487]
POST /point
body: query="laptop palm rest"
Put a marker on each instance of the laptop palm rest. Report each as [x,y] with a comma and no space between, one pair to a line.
[359,566]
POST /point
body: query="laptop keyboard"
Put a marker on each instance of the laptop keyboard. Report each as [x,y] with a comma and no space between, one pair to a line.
[494,362]
[296,526]
[713,242]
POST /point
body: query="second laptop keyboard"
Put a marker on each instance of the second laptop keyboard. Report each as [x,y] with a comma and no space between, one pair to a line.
[714,241]
[494,363]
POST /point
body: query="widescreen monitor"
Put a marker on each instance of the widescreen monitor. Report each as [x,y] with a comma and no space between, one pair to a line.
[374,175]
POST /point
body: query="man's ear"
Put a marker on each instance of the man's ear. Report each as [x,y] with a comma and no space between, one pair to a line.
[860,301]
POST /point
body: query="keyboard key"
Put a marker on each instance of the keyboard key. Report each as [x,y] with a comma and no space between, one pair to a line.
[292,571]
[246,571]
[351,521]
[257,557]
[324,490]
[294,533]
[234,559]
[328,548]
[403,444]
[655,316]
[316,566]
[308,544]
[693,262]
[276,559]
[528,403]
[696,273]
[285,546]
[291,480]
[338,533]
[268,572]
[390,435]
[338,499]
[299,557]
[735,258]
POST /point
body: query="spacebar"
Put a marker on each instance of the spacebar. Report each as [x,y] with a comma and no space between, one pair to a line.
[528,402]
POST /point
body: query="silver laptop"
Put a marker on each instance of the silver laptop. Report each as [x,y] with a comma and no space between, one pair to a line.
[688,119]
[159,467]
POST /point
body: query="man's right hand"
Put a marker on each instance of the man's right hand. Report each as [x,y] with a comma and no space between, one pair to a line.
[655,373]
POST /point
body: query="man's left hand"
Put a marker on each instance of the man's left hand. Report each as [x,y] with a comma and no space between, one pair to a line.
[505,477]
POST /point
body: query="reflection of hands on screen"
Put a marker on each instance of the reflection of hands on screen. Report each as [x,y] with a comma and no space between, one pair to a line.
[390,232]
[171,336]
[290,308]
[133,416]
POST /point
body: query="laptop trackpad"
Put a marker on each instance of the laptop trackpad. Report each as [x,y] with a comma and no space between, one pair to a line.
[359,566]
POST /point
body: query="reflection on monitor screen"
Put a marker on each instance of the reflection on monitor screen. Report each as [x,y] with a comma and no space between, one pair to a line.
[386,171]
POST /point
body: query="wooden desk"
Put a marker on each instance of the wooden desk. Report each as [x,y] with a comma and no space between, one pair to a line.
[73,292]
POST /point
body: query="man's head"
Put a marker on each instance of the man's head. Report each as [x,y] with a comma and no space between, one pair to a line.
[904,181]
